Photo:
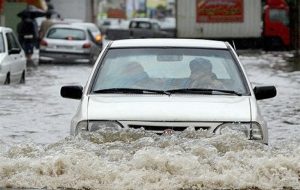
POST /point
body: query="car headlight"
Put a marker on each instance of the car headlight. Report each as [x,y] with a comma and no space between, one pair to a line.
[96,125]
[251,130]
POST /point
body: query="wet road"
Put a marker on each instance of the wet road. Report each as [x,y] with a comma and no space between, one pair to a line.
[36,151]
[35,111]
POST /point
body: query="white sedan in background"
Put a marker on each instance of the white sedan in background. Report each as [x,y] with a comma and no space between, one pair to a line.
[12,58]
[67,43]
[169,85]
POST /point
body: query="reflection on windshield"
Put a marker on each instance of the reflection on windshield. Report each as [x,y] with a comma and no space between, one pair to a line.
[169,68]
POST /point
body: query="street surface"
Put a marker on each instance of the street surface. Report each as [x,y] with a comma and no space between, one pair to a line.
[37,152]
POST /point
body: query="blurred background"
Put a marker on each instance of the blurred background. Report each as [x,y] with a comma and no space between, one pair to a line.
[183,19]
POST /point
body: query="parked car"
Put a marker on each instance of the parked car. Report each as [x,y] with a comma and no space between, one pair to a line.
[138,28]
[165,85]
[67,43]
[12,58]
[111,23]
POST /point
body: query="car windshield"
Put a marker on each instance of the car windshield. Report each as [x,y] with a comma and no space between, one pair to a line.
[169,69]
[66,33]
[2,48]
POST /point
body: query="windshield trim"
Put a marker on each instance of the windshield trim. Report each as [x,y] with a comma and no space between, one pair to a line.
[239,67]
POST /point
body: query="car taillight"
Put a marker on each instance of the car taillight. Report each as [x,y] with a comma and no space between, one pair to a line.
[43,43]
[87,45]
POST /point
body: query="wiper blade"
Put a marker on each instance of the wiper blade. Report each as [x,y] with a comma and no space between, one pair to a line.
[202,91]
[131,91]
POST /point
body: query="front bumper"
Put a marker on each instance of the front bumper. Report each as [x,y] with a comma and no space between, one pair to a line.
[63,57]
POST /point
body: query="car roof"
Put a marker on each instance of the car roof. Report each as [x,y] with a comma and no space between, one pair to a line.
[2,29]
[71,26]
[88,25]
[169,42]
[84,23]
[145,20]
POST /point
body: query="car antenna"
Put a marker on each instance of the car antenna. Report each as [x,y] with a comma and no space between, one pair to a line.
[234,46]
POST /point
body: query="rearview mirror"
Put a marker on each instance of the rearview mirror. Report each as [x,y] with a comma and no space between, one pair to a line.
[264,92]
[73,92]
[14,51]
[169,58]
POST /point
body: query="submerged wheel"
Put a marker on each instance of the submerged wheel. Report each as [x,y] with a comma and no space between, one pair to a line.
[22,80]
[7,80]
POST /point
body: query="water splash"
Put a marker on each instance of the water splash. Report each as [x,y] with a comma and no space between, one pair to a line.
[136,159]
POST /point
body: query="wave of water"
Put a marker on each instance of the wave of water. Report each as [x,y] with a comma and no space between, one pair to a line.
[135,159]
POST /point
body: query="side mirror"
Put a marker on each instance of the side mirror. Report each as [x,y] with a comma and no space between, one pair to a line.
[264,92]
[73,92]
[14,51]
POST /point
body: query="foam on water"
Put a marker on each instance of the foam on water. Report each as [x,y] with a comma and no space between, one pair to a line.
[135,159]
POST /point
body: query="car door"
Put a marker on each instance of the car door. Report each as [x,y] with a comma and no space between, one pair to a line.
[15,57]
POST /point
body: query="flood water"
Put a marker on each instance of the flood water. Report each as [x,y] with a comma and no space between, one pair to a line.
[36,150]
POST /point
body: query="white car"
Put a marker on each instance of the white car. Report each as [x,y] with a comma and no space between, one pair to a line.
[12,58]
[154,84]
[67,43]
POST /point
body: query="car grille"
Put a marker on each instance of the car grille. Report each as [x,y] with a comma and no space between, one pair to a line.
[160,127]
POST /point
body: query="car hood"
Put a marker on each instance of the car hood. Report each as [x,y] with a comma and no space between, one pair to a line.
[169,108]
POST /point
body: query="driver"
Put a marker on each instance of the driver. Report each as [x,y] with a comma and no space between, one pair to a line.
[202,76]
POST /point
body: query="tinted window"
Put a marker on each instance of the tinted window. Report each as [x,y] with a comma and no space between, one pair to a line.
[11,41]
[2,47]
[169,68]
[66,33]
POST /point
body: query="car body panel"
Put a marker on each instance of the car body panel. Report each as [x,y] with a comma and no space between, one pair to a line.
[170,110]
[166,108]
[14,64]
[157,42]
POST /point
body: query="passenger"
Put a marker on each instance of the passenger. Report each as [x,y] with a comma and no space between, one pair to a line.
[134,75]
[202,75]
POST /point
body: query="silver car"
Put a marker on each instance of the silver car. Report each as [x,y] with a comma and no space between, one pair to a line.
[66,43]
[169,85]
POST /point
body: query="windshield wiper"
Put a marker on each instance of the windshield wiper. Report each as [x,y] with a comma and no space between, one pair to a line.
[131,91]
[202,91]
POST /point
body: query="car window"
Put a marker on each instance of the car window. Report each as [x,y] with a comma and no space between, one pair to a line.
[66,33]
[144,25]
[11,41]
[156,26]
[93,28]
[168,68]
[2,47]
[279,15]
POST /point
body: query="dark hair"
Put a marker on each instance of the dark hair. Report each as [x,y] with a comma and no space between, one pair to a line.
[200,64]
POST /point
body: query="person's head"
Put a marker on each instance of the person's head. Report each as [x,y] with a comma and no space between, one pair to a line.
[134,68]
[200,66]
